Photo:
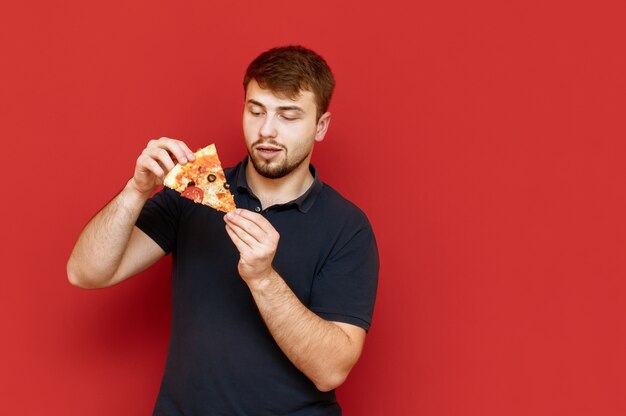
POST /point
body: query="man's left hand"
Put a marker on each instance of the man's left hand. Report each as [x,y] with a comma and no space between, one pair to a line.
[256,239]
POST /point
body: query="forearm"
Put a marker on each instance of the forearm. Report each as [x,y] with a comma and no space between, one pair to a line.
[100,246]
[318,348]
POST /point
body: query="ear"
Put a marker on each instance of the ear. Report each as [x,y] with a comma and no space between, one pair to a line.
[322,127]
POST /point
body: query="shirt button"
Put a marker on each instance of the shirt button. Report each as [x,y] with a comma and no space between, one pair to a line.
[258,209]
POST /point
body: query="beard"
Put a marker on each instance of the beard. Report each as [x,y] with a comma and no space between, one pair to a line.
[275,170]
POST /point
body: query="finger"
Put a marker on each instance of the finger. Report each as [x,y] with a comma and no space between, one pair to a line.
[258,219]
[186,150]
[249,227]
[246,237]
[237,240]
[179,151]
[146,163]
[162,157]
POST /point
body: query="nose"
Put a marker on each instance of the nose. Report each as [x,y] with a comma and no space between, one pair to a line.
[268,129]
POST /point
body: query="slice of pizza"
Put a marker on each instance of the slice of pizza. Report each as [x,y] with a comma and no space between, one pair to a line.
[202,181]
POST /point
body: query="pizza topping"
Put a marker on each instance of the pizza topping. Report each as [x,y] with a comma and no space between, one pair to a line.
[194,193]
[227,186]
[191,183]
[211,178]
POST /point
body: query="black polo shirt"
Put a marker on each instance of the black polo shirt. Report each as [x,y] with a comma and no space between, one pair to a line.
[222,359]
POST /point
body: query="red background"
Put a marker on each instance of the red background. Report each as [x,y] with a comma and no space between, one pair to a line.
[484,139]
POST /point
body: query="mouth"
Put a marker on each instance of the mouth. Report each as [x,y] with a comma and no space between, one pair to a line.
[267,151]
[267,148]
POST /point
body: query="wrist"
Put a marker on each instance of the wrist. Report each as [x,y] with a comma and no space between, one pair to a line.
[133,196]
[265,282]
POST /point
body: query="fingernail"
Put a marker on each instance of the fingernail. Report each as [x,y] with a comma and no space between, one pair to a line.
[183,160]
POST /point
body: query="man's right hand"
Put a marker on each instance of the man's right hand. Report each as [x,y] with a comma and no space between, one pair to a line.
[158,158]
[111,248]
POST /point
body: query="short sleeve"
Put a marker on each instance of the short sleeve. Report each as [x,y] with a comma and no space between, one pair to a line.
[345,288]
[159,218]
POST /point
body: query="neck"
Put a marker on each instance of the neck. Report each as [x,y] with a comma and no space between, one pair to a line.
[280,190]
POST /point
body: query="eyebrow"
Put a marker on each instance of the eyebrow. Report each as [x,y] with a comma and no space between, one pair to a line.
[282,107]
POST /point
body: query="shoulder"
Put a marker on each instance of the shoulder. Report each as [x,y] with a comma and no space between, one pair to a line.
[165,196]
[341,218]
[335,205]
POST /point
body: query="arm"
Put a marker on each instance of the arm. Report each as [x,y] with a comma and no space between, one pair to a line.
[324,351]
[110,248]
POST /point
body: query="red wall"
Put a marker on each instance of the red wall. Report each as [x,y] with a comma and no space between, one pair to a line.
[483,138]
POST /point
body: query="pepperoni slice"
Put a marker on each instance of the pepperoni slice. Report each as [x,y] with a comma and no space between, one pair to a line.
[194,193]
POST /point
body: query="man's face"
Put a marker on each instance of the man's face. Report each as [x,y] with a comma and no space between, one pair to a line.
[280,132]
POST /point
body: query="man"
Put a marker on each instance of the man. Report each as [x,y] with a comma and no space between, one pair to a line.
[271,303]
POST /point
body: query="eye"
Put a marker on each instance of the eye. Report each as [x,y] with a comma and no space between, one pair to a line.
[255,111]
[289,117]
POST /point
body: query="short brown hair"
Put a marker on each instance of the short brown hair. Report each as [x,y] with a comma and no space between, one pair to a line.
[288,70]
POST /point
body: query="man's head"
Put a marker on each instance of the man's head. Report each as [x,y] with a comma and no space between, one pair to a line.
[287,94]
[289,70]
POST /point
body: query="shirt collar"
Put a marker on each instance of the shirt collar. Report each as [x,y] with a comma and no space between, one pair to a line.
[304,202]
